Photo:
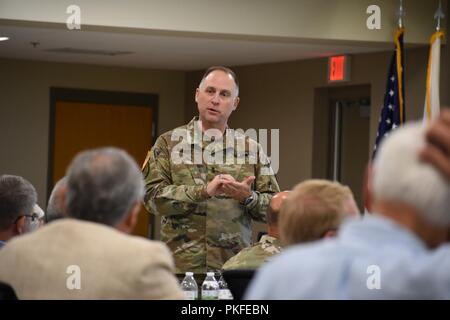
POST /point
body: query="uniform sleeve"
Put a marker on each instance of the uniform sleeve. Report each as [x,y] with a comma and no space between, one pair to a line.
[161,195]
[266,186]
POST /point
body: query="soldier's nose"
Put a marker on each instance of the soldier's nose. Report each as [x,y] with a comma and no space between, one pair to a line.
[216,99]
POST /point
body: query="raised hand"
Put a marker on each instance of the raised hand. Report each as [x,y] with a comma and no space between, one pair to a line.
[437,150]
[238,190]
[215,186]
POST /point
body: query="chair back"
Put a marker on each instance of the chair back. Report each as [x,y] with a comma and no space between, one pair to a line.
[7,292]
[238,281]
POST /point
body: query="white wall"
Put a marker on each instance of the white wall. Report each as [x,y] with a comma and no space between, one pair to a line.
[328,20]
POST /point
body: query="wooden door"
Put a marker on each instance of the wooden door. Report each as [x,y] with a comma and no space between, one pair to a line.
[81,125]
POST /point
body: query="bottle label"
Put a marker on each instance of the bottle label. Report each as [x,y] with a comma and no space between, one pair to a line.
[209,295]
[225,294]
[190,295]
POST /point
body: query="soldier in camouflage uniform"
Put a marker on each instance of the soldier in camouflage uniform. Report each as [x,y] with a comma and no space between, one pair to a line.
[206,206]
[260,252]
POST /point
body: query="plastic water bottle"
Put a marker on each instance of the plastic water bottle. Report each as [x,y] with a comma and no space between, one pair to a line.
[210,287]
[224,292]
[189,286]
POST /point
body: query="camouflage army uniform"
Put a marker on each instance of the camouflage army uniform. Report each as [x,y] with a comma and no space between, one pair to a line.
[203,232]
[256,255]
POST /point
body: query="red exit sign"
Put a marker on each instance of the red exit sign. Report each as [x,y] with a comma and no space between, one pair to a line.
[338,68]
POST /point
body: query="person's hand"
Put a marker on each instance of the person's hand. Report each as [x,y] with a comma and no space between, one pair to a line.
[226,177]
[238,190]
[437,150]
[215,186]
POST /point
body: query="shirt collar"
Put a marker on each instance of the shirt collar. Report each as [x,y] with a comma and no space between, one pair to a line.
[378,231]
[195,134]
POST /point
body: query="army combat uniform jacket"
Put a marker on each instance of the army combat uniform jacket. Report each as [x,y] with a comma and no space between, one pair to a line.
[203,232]
[254,256]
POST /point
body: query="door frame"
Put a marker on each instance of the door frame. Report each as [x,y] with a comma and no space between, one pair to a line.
[149,100]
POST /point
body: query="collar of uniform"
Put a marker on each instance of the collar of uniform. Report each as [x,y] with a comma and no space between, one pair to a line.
[195,135]
[269,239]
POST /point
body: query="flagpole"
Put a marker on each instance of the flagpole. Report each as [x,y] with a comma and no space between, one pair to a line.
[432,101]
[439,15]
[400,15]
[399,57]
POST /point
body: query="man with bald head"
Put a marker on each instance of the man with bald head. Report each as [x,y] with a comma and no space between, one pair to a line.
[254,256]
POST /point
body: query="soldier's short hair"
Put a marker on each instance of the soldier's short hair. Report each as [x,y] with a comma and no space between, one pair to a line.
[224,69]
[313,208]
[103,185]
[17,197]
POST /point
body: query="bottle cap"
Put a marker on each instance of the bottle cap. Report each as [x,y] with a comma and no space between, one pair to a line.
[210,274]
[189,274]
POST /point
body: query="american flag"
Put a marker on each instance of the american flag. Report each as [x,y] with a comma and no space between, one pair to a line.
[393,110]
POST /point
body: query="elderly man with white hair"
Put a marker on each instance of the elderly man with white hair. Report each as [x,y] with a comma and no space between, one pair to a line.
[385,255]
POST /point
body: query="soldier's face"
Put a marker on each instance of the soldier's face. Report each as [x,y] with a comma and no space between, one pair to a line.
[216,98]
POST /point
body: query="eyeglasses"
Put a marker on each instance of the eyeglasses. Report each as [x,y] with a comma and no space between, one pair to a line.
[34,217]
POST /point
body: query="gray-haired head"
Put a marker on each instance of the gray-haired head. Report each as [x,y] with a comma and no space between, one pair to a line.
[103,185]
[17,197]
[399,175]
[56,206]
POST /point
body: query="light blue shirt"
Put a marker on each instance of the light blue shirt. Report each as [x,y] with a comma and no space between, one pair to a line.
[372,258]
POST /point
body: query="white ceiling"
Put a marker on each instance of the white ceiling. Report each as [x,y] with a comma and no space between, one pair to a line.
[173,52]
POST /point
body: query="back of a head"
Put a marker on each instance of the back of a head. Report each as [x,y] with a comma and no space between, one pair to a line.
[274,207]
[56,206]
[312,209]
[17,197]
[400,176]
[103,185]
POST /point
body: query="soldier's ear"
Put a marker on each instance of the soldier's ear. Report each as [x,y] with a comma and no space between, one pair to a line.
[196,94]
[236,103]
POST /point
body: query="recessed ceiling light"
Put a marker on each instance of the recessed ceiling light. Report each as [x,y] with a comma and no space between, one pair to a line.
[4,38]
